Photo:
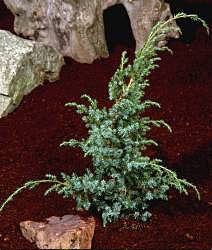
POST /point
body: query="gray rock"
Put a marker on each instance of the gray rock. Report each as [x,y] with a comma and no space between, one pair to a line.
[67,232]
[76,27]
[24,65]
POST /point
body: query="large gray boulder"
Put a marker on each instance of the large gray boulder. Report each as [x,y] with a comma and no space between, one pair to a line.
[76,27]
[24,65]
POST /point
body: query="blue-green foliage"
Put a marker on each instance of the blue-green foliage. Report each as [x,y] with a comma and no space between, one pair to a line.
[124,180]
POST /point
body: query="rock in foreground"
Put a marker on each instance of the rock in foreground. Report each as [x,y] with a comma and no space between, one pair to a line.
[24,65]
[67,232]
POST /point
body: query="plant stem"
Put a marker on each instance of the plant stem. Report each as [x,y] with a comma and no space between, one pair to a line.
[27,185]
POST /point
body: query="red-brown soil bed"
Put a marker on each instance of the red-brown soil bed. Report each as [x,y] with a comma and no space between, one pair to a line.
[30,138]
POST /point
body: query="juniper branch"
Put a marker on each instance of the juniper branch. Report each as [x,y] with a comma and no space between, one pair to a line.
[29,185]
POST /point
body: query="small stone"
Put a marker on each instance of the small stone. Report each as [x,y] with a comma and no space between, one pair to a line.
[189,236]
[6,239]
[67,232]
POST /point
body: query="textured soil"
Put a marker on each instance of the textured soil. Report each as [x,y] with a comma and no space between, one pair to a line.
[30,138]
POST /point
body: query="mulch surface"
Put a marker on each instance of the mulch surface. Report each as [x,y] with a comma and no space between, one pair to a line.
[30,138]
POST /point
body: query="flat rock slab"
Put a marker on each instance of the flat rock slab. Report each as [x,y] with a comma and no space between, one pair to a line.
[76,27]
[67,232]
[24,64]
